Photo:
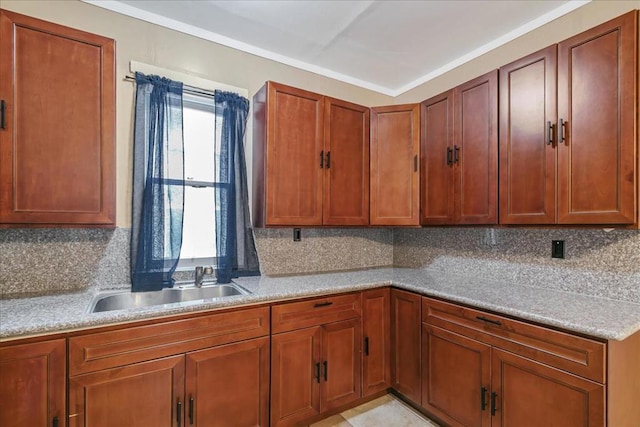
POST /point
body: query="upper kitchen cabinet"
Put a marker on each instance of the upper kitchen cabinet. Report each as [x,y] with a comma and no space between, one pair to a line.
[311,159]
[57,140]
[597,109]
[395,176]
[580,127]
[460,154]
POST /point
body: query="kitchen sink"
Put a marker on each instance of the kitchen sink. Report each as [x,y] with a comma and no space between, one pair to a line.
[126,299]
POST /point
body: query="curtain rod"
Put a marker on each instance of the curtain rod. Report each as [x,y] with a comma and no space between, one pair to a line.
[185,88]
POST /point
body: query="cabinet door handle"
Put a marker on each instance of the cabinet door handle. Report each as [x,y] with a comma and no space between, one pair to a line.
[366,346]
[328,159]
[562,130]
[3,109]
[326,370]
[449,156]
[456,154]
[191,410]
[484,319]
[494,397]
[322,304]
[318,372]
[483,398]
[55,421]
[179,413]
[415,163]
[321,159]
[549,133]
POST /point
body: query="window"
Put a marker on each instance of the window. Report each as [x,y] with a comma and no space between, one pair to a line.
[200,125]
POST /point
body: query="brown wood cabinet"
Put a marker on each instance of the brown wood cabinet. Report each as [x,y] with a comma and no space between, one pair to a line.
[317,368]
[460,154]
[57,136]
[578,122]
[405,344]
[172,373]
[376,331]
[32,384]
[311,159]
[395,175]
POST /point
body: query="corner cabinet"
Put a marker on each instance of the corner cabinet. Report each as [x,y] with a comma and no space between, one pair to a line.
[395,171]
[405,344]
[376,341]
[33,384]
[57,125]
[310,159]
[460,154]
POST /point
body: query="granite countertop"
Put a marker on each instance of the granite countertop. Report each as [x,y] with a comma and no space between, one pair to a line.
[594,316]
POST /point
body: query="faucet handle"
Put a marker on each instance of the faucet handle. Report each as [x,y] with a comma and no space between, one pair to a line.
[208,270]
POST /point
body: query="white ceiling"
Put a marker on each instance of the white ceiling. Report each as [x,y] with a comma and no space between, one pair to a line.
[387,46]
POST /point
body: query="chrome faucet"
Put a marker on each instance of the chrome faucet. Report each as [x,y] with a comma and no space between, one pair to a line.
[200,272]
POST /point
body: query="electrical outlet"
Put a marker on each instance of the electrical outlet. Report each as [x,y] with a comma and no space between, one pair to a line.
[297,234]
[557,249]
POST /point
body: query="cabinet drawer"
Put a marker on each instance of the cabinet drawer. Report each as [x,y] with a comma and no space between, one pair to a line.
[318,311]
[103,350]
[581,356]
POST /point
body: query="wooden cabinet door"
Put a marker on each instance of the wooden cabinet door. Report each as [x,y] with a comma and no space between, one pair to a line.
[341,364]
[57,147]
[456,378]
[295,375]
[405,343]
[597,124]
[395,176]
[436,160]
[528,393]
[294,145]
[527,139]
[346,150]
[143,394]
[475,151]
[32,384]
[376,354]
[228,385]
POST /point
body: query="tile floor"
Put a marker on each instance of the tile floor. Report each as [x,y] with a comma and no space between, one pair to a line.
[385,411]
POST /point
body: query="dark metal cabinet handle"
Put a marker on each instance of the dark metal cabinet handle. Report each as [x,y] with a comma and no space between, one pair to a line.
[318,372]
[549,133]
[484,319]
[328,159]
[494,397]
[366,346]
[3,110]
[321,159]
[483,398]
[456,154]
[562,130]
[415,163]
[179,412]
[191,410]
[322,304]
[326,370]
[55,421]
[449,156]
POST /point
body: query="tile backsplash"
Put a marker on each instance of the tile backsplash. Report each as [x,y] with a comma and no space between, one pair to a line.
[598,262]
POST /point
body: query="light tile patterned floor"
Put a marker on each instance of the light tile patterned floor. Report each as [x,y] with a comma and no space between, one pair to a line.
[386,411]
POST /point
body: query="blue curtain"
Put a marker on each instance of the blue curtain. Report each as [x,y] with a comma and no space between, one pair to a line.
[158,183]
[235,245]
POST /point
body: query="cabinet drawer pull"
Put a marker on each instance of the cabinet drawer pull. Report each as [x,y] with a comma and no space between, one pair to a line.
[449,156]
[484,319]
[178,413]
[321,159]
[549,133]
[366,346]
[494,397]
[483,398]
[322,304]
[328,159]
[326,369]
[318,372]
[191,410]
[456,154]
[3,108]
[55,421]
[562,130]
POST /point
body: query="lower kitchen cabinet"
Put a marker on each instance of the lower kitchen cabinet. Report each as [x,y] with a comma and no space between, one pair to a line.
[376,330]
[405,344]
[32,384]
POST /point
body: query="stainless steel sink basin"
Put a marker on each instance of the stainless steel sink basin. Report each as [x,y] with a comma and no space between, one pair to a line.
[127,300]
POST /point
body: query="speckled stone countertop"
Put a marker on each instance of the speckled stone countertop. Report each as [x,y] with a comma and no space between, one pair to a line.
[598,317]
